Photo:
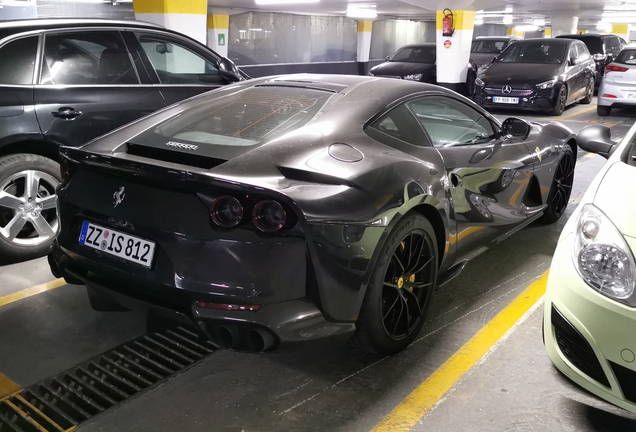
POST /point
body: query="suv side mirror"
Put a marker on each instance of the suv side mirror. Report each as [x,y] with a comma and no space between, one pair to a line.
[596,139]
[229,71]
[516,127]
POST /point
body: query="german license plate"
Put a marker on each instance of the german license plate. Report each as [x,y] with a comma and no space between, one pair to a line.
[505,100]
[116,243]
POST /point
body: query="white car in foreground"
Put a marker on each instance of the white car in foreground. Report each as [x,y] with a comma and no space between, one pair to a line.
[590,303]
[618,88]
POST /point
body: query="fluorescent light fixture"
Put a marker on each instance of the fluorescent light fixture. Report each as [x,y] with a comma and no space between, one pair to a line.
[479,21]
[361,12]
[526,28]
[288,2]
[508,9]
[539,22]
[507,19]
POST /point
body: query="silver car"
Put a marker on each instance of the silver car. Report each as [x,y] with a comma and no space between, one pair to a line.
[618,88]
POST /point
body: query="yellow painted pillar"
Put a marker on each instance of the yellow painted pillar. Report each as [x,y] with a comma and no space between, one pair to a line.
[621,30]
[453,52]
[187,17]
[218,32]
[364,45]
[547,33]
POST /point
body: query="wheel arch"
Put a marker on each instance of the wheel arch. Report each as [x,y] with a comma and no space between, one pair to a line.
[42,148]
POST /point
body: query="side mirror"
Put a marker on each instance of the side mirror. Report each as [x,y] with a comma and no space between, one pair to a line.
[387,58]
[572,61]
[596,139]
[229,71]
[516,127]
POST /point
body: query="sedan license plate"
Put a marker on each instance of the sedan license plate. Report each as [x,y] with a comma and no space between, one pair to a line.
[119,244]
[505,100]
[631,95]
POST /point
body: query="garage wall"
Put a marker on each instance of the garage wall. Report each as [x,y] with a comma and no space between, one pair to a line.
[390,34]
[272,43]
[76,9]
[11,10]
[489,30]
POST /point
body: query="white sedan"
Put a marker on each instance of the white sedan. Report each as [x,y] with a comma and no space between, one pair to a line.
[618,88]
[590,303]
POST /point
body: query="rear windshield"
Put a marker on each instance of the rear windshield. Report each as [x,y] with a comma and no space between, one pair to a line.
[627,56]
[540,52]
[488,46]
[421,54]
[594,44]
[245,118]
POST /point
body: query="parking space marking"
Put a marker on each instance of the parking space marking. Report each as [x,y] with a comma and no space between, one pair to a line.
[575,114]
[432,390]
[7,386]
[29,292]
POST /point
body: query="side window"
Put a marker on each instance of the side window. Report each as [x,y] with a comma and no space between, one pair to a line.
[176,63]
[98,57]
[399,124]
[450,122]
[583,53]
[572,54]
[18,61]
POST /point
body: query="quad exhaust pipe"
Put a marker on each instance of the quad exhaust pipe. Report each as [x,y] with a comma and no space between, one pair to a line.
[253,339]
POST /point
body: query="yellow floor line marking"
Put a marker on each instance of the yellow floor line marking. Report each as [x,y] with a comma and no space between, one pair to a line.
[29,292]
[427,394]
[7,386]
[575,114]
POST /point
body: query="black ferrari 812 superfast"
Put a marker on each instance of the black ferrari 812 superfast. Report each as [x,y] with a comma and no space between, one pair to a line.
[289,210]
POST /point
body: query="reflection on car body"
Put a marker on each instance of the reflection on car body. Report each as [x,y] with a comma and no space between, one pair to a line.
[298,219]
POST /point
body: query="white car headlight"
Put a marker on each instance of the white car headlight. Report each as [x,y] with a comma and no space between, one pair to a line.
[414,77]
[602,257]
[546,85]
[479,82]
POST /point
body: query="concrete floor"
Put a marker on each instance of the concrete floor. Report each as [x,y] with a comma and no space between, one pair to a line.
[514,388]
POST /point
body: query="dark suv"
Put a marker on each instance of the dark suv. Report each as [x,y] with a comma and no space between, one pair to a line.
[65,82]
[603,47]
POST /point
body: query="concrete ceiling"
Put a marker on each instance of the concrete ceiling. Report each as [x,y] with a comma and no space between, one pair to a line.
[523,11]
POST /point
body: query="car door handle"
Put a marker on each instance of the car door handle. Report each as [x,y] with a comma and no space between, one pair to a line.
[66,113]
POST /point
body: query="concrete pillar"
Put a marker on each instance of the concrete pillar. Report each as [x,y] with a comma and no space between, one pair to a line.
[218,33]
[510,31]
[621,30]
[564,25]
[547,32]
[453,52]
[581,31]
[187,17]
[364,46]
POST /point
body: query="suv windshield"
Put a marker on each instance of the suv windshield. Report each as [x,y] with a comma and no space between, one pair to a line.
[538,52]
[245,118]
[594,44]
[419,54]
[488,46]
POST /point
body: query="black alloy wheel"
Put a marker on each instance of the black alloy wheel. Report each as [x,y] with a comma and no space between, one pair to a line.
[589,93]
[561,188]
[561,100]
[407,285]
[400,289]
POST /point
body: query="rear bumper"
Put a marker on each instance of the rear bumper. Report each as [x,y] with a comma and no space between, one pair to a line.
[620,91]
[294,324]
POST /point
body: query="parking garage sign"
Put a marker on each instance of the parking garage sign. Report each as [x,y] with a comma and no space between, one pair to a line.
[221,39]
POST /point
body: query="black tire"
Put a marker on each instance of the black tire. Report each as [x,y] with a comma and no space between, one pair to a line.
[27,240]
[589,93]
[603,111]
[561,187]
[560,102]
[102,303]
[378,308]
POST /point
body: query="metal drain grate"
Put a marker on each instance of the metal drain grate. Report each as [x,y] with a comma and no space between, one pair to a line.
[72,397]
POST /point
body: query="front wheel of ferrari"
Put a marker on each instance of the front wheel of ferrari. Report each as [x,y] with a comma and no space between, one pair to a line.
[561,188]
[400,289]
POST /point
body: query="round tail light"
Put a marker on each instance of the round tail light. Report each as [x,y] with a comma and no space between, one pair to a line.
[227,211]
[269,216]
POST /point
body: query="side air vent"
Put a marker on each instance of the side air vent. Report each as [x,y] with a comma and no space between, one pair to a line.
[311,177]
[173,156]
